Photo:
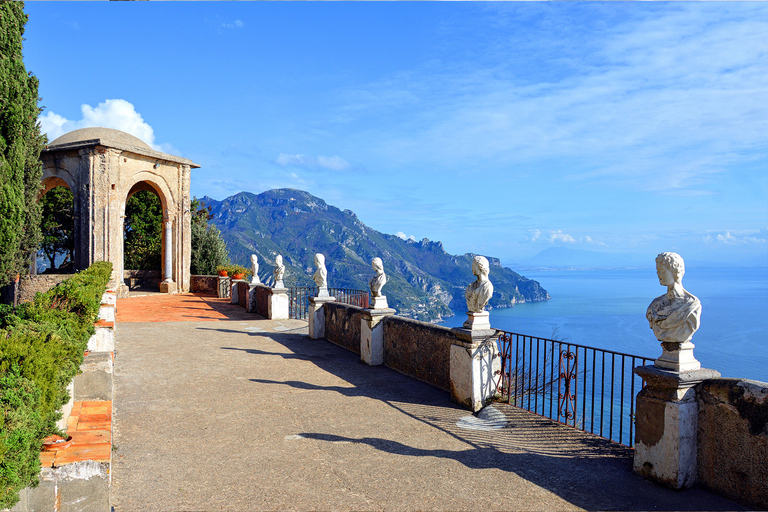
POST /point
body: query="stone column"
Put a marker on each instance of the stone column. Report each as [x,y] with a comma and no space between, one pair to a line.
[168,286]
[168,251]
[372,334]
[278,304]
[666,425]
[475,367]
[317,315]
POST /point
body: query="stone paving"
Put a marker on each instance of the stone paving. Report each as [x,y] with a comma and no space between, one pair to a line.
[218,409]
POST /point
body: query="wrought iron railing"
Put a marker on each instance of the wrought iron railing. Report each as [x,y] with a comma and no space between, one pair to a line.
[584,387]
[300,295]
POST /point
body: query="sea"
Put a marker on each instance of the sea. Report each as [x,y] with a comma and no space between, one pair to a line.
[605,308]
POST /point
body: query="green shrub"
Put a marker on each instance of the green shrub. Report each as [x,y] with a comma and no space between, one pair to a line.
[21,434]
[41,350]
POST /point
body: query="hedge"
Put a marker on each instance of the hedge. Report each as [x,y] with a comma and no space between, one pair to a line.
[41,350]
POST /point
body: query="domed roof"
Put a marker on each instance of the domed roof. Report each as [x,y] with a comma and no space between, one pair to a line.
[106,135]
[85,137]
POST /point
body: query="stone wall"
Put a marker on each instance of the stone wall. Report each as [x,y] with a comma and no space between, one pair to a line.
[342,325]
[419,349]
[243,287]
[261,296]
[733,439]
[31,284]
[146,279]
[207,285]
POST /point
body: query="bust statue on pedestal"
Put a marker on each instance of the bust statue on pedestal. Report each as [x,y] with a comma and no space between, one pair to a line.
[376,283]
[255,270]
[674,316]
[478,294]
[321,276]
[278,272]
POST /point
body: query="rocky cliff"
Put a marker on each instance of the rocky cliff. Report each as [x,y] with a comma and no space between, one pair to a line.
[424,282]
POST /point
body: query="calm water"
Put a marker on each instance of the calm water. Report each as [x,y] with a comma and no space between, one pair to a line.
[606,309]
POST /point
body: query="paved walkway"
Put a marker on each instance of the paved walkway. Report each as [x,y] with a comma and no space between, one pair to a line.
[250,414]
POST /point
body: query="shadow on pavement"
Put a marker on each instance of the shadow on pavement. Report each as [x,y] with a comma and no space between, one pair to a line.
[588,471]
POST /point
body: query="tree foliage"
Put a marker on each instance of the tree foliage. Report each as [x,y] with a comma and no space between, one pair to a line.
[20,146]
[143,231]
[208,248]
[58,226]
[41,351]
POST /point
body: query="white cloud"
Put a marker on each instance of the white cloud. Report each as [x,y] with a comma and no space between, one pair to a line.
[403,236]
[662,100]
[334,163]
[234,24]
[117,114]
[534,234]
[559,236]
[748,237]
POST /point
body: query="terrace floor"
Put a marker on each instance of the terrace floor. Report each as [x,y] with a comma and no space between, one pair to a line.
[218,409]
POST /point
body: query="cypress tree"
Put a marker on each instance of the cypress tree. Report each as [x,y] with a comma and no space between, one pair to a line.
[20,146]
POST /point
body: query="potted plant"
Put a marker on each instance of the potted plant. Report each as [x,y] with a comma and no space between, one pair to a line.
[238,271]
[222,270]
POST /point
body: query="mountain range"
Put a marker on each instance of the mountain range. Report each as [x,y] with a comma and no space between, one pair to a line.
[424,282]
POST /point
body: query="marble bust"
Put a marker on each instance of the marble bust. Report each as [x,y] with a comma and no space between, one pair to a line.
[254,270]
[278,272]
[674,316]
[376,283]
[379,280]
[320,276]
[479,293]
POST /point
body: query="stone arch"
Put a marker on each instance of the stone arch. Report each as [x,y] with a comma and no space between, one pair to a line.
[103,167]
[49,183]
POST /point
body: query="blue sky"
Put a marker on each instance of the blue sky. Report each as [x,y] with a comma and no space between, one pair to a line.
[498,128]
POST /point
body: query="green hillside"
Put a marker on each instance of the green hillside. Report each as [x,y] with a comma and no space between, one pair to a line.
[424,281]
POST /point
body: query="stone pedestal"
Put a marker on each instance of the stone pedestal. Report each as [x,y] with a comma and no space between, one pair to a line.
[475,367]
[677,357]
[477,321]
[372,334]
[667,424]
[168,287]
[279,302]
[234,296]
[379,303]
[223,290]
[317,316]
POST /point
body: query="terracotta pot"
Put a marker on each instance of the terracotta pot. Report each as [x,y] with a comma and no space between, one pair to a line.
[223,273]
[238,276]
[55,443]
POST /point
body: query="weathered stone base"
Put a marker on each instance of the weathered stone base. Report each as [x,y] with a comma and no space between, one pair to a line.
[667,426]
[107,312]
[477,321]
[317,316]
[475,368]
[168,287]
[372,335]
[103,339]
[223,289]
[677,357]
[80,486]
[279,303]
[95,381]
[379,302]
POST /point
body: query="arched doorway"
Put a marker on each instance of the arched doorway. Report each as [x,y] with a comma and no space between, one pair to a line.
[143,238]
[57,249]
